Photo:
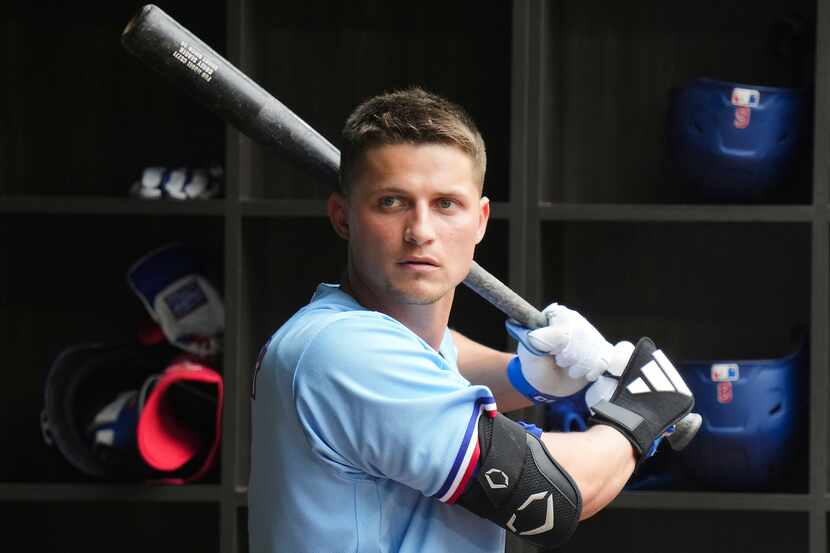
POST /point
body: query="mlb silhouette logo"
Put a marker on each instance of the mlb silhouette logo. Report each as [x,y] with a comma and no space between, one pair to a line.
[746,97]
[725,372]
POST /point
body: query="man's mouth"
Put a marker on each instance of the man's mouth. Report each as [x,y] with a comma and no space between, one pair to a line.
[419,262]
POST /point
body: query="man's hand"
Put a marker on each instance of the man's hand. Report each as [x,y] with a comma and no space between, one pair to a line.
[577,346]
[560,359]
[538,378]
[645,402]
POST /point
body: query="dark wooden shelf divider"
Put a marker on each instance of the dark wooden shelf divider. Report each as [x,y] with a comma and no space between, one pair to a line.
[69,205]
[681,213]
[707,501]
[51,493]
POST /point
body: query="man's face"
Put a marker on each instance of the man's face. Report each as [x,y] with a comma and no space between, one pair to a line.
[415,214]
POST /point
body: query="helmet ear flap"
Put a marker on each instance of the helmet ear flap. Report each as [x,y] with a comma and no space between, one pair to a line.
[67,371]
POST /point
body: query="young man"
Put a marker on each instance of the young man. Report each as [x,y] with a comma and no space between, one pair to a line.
[375,427]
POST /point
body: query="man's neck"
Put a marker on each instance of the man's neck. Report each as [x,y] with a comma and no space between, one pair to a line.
[427,321]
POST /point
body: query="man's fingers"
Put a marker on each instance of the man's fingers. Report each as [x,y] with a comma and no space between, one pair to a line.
[550,339]
[600,390]
[581,371]
[620,356]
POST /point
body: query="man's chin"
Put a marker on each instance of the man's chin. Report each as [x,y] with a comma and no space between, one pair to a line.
[419,295]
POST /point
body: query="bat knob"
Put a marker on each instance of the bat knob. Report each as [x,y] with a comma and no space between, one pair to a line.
[139,16]
[686,430]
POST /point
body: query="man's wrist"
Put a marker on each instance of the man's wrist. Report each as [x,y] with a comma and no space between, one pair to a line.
[610,433]
[520,383]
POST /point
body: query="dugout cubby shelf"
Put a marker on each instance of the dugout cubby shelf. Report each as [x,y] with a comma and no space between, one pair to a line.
[107,493]
[679,500]
[57,292]
[692,531]
[311,208]
[103,527]
[606,70]
[679,213]
[570,97]
[81,116]
[353,50]
[96,205]
[715,501]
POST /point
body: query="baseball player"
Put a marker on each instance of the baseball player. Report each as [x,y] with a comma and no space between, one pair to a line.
[376,428]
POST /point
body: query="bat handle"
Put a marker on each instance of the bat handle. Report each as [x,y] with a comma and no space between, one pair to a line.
[516,307]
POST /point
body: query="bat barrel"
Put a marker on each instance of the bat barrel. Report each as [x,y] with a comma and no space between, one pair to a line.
[184,60]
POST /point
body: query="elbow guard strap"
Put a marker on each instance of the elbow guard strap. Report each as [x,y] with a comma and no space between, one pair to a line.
[520,487]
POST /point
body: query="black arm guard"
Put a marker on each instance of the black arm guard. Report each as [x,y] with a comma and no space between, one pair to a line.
[520,487]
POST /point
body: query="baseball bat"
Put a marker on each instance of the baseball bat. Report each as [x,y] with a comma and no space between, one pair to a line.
[188,63]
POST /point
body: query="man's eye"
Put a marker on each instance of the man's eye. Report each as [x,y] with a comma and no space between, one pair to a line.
[445,203]
[390,201]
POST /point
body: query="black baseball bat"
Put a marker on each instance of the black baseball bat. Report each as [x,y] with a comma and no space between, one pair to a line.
[178,55]
[188,63]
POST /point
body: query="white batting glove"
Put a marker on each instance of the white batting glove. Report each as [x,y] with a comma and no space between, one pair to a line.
[577,346]
[538,378]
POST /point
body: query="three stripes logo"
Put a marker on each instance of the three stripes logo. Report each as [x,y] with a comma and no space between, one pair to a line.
[658,375]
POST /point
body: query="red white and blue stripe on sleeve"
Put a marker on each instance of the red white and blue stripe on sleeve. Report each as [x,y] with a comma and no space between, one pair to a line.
[466,460]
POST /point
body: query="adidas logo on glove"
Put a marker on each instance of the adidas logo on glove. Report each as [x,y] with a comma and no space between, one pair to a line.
[659,375]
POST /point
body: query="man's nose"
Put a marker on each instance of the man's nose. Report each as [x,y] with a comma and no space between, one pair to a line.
[420,228]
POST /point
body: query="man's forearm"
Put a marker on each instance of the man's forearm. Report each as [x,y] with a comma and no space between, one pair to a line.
[488,367]
[600,460]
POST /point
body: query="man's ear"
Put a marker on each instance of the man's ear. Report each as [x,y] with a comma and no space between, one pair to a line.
[483,217]
[338,210]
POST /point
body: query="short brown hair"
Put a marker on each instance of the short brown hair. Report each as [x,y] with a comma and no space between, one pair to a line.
[411,116]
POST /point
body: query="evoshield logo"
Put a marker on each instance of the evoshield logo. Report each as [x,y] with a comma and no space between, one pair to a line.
[542,528]
[496,479]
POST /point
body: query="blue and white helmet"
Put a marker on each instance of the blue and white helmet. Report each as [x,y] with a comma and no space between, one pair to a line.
[735,142]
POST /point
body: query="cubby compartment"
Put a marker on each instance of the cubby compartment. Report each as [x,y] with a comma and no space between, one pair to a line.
[730,305]
[607,71]
[686,531]
[322,58]
[81,116]
[700,290]
[101,527]
[63,282]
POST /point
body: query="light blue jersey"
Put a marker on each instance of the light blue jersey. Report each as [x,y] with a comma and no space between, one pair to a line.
[363,436]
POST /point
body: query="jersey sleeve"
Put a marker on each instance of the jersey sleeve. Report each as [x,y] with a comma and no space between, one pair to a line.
[375,401]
